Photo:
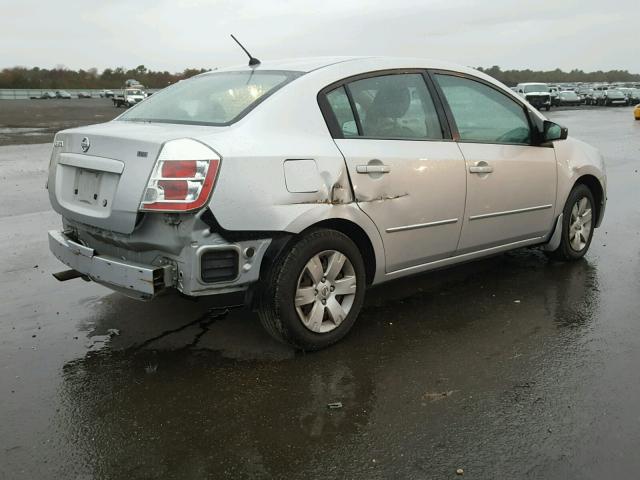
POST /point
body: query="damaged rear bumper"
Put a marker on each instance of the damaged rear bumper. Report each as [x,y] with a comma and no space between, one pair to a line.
[133,279]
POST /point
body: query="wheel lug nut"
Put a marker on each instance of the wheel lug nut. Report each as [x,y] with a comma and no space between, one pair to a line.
[324,279]
[324,302]
[315,292]
[332,288]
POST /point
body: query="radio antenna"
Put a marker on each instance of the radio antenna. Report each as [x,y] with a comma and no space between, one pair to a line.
[253,61]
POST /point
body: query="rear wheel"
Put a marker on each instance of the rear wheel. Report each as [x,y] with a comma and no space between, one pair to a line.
[314,292]
[577,225]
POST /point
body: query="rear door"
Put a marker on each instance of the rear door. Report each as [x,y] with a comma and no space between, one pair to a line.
[511,182]
[407,173]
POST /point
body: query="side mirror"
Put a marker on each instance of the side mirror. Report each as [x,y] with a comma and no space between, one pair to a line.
[553,131]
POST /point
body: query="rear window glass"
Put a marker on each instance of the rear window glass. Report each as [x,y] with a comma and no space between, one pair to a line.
[213,99]
[339,103]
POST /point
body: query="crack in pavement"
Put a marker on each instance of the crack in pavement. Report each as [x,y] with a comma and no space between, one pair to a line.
[204,322]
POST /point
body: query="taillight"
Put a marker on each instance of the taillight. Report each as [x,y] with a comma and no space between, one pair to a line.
[182,178]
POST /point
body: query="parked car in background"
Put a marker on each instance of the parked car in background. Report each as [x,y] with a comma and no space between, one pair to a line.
[611,97]
[129,97]
[84,95]
[63,94]
[392,167]
[624,90]
[630,94]
[106,94]
[46,95]
[553,92]
[599,94]
[634,96]
[568,98]
[537,94]
[586,95]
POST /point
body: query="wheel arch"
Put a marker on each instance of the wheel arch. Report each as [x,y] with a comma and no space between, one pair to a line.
[349,228]
[594,185]
[358,236]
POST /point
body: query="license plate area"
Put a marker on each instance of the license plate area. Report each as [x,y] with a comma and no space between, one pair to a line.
[86,192]
[87,186]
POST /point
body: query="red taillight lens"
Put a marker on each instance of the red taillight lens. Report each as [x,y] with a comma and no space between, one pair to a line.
[179,169]
[174,189]
[181,185]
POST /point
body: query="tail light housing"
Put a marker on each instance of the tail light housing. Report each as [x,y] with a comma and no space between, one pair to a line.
[182,178]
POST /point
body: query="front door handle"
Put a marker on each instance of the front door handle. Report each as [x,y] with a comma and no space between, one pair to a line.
[481,167]
[373,168]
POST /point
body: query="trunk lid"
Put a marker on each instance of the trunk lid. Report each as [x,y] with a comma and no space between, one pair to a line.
[99,174]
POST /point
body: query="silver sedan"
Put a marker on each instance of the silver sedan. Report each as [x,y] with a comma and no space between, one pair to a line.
[291,187]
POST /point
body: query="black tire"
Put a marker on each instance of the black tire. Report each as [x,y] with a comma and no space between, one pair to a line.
[276,307]
[566,252]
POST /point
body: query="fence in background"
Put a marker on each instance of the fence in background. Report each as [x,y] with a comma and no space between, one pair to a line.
[25,94]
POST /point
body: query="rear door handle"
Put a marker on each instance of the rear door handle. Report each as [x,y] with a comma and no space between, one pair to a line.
[481,167]
[373,168]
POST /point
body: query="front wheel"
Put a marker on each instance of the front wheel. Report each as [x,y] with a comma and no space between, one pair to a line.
[314,292]
[577,225]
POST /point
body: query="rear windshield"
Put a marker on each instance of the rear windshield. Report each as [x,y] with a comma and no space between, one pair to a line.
[538,87]
[212,99]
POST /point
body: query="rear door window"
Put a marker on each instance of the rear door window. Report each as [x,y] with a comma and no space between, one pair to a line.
[341,108]
[394,106]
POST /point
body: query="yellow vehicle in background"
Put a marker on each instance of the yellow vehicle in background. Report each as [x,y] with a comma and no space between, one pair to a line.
[636,112]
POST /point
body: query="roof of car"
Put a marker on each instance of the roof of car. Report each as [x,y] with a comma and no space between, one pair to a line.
[314,63]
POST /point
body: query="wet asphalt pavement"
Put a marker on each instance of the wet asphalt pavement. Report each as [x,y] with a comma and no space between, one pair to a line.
[511,367]
[37,121]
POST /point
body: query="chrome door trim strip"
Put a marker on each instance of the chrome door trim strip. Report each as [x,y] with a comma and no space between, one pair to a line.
[421,225]
[509,212]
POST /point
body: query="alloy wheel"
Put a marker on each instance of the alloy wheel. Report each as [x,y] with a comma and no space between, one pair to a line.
[325,291]
[581,224]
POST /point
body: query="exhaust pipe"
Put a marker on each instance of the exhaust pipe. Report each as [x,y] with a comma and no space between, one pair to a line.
[70,275]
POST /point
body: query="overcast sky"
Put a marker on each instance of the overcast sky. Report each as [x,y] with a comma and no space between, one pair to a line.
[177,34]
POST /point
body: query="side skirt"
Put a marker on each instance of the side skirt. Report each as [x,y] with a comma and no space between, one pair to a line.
[462,258]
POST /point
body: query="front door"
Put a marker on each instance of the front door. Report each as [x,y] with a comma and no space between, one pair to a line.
[511,183]
[407,176]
